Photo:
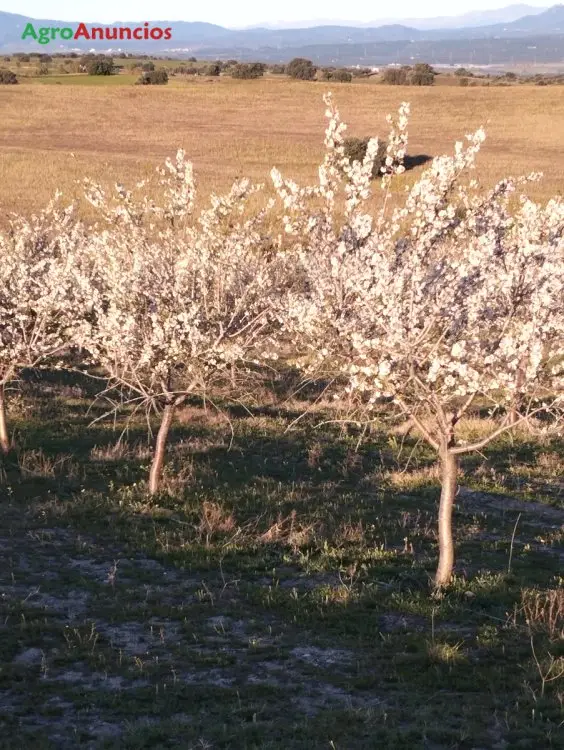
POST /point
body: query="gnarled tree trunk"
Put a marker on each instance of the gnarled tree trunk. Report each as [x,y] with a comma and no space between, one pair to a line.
[160,448]
[449,471]
[4,437]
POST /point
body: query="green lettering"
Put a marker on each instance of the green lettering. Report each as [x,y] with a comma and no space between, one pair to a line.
[67,33]
[44,34]
[29,31]
[54,32]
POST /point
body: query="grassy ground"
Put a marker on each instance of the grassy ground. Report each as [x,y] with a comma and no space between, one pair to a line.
[81,79]
[276,595]
[52,136]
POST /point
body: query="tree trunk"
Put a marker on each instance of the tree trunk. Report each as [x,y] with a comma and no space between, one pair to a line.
[516,403]
[4,438]
[449,471]
[160,448]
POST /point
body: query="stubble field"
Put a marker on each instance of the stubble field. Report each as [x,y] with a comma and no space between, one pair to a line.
[51,135]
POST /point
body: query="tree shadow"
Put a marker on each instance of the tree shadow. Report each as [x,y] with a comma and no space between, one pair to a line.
[415,160]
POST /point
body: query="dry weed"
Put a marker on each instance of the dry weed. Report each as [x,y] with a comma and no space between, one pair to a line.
[214,520]
[544,611]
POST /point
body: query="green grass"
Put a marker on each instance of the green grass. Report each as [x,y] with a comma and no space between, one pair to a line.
[276,594]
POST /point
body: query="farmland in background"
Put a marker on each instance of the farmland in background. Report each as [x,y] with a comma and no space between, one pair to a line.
[52,136]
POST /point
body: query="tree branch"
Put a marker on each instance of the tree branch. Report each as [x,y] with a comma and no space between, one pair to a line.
[426,434]
[504,428]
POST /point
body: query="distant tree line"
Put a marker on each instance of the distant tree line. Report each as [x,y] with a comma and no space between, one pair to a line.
[419,74]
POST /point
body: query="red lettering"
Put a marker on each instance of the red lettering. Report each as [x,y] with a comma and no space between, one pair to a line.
[168,33]
[136,33]
[82,31]
[157,33]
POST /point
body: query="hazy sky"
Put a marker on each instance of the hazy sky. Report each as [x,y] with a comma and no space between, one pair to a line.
[238,13]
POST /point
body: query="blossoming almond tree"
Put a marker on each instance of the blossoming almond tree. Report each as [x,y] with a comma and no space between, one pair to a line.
[179,300]
[333,211]
[37,300]
[450,299]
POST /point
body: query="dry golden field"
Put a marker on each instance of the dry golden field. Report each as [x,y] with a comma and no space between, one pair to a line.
[53,135]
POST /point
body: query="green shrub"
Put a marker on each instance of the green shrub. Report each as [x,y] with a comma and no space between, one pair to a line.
[324,74]
[463,81]
[248,70]
[342,76]
[395,76]
[157,77]
[185,70]
[214,69]
[355,150]
[7,76]
[302,69]
[148,67]
[422,74]
[100,65]
[42,69]
[277,69]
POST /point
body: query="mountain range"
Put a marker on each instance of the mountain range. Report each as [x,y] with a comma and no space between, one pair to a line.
[534,37]
[472,18]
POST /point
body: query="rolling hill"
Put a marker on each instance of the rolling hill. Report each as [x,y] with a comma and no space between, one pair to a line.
[536,36]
